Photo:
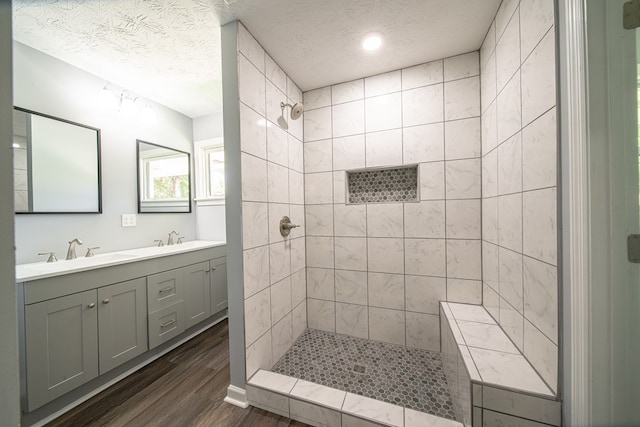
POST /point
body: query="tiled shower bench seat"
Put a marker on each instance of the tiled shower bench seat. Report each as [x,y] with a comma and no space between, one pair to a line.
[319,405]
[491,382]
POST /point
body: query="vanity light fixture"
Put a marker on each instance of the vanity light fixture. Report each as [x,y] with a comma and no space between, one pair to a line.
[107,98]
[127,104]
[372,42]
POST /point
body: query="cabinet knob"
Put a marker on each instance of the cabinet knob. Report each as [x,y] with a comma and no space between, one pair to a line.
[92,305]
[213,268]
[106,301]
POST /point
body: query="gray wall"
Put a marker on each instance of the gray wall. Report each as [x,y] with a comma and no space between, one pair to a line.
[9,386]
[48,85]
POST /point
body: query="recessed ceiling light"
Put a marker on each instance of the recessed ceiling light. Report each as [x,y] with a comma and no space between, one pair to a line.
[372,42]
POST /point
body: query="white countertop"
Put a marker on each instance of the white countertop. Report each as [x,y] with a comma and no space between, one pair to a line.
[42,270]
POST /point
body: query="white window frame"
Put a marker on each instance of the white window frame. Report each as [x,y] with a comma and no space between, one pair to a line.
[201,148]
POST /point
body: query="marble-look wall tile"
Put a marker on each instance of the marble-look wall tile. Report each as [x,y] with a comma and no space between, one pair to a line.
[320,283]
[510,165]
[257,310]
[508,52]
[462,139]
[251,85]
[279,260]
[299,319]
[425,219]
[539,219]
[490,219]
[423,105]
[489,122]
[277,183]
[383,112]
[462,98]
[491,301]
[463,179]
[282,337]
[250,48]
[488,45]
[351,253]
[425,257]
[298,286]
[311,414]
[349,152]
[280,300]
[464,259]
[490,174]
[534,408]
[464,291]
[317,98]
[254,178]
[352,319]
[539,79]
[463,219]
[351,286]
[510,278]
[385,220]
[296,188]
[423,294]
[387,325]
[320,252]
[536,19]
[296,161]
[348,119]
[339,187]
[350,220]
[540,149]
[274,73]
[542,353]
[509,109]
[541,296]
[259,355]
[505,12]
[423,143]
[488,83]
[317,124]
[383,83]
[349,91]
[318,188]
[276,212]
[274,97]
[268,400]
[461,66]
[491,265]
[384,148]
[256,270]
[386,290]
[255,231]
[512,322]
[318,156]
[298,254]
[253,137]
[422,75]
[431,177]
[423,331]
[510,221]
[385,255]
[319,220]
[321,314]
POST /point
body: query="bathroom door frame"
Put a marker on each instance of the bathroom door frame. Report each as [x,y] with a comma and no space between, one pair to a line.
[598,122]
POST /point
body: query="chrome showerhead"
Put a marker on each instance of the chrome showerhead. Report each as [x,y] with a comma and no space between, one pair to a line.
[296,112]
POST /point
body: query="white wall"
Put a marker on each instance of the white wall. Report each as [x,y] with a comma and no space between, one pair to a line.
[519,180]
[48,85]
[379,270]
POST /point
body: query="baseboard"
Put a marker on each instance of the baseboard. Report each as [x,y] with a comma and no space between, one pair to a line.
[237,396]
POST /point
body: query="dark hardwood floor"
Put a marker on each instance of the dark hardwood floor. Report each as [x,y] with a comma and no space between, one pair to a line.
[186,387]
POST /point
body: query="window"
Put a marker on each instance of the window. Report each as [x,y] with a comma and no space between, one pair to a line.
[210,170]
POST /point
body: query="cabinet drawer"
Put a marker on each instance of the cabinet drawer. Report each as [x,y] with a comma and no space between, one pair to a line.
[165,324]
[164,289]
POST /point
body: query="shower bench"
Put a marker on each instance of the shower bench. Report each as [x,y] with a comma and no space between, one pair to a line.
[491,382]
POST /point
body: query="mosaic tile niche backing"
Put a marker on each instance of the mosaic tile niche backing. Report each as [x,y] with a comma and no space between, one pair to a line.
[383,185]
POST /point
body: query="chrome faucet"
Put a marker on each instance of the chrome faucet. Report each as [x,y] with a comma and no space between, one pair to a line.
[71,252]
[170,239]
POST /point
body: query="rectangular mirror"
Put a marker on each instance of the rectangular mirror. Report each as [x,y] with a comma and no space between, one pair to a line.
[164,179]
[56,165]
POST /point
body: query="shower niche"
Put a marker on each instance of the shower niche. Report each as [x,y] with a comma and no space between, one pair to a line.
[385,185]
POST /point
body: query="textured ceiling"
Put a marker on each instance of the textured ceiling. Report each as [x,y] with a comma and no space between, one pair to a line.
[169,50]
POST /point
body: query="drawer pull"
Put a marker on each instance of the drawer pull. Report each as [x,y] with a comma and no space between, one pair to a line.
[92,305]
[106,301]
[170,322]
[167,289]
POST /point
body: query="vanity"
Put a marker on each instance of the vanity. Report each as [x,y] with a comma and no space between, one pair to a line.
[88,322]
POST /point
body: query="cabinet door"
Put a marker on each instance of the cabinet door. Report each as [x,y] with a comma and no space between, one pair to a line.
[122,322]
[61,338]
[197,298]
[218,284]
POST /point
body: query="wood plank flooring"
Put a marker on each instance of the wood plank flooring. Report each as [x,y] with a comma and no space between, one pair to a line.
[186,387]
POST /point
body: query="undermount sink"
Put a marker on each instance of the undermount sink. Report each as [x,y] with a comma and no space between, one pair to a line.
[41,270]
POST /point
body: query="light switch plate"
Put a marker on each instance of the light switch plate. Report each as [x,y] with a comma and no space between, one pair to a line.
[128,220]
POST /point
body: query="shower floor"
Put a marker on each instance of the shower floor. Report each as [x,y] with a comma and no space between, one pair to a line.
[402,376]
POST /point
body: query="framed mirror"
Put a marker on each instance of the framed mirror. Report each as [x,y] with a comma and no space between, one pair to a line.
[56,165]
[164,179]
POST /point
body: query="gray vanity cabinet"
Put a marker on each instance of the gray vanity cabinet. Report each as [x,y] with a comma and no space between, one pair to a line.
[61,345]
[122,322]
[197,293]
[218,279]
[165,294]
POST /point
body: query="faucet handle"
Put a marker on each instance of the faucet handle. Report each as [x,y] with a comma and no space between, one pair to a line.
[158,243]
[90,251]
[179,242]
[52,256]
